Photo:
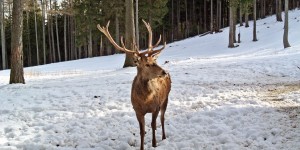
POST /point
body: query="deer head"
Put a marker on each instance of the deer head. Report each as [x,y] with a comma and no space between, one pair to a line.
[146,60]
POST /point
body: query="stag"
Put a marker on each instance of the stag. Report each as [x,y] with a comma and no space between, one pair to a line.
[151,86]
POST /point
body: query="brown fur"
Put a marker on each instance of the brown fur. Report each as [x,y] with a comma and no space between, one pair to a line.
[149,94]
[150,87]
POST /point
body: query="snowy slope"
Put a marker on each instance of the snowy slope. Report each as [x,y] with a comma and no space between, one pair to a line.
[242,98]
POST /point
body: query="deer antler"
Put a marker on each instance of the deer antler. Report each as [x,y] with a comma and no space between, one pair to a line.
[105,31]
[150,50]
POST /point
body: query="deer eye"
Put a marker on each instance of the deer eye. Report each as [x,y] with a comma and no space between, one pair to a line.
[147,65]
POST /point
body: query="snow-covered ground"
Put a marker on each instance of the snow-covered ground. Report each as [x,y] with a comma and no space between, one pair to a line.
[236,99]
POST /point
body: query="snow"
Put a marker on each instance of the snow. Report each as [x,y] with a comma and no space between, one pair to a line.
[221,98]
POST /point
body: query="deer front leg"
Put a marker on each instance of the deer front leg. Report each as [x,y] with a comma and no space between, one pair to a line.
[153,125]
[141,120]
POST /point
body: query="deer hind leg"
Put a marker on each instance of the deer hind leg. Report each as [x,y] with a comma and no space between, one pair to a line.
[153,125]
[141,120]
[162,117]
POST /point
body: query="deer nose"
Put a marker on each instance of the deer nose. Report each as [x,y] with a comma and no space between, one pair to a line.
[164,72]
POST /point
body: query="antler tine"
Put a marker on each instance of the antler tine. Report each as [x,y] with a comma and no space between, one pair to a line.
[105,31]
[157,43]
[150,35]
[156,52]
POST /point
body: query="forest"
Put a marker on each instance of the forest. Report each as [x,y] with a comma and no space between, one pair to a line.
[55,31]
[199,74]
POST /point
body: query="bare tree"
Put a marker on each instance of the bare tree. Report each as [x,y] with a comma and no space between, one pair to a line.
[286,43]
[17,73]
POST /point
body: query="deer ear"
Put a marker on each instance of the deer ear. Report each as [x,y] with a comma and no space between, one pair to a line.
[155,56]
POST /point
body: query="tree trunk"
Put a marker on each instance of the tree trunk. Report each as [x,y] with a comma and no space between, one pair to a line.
[129,32]
[186,21]
[49,57]
[278,10]
[241,15]
[90,47]
[172,20]
[65,37]
[29,41]
[101,45]
[137,23]
[205,16]
[43,25]
[3,46]
[218,16]
[17,73]
[57,36]
[234,23]
[231,44]
[211,16]
[178,20]
[52,33]
[254,21]
[246,19]
[79,52]
[286,43]
[36,36]
[193,13]
[262,14]
[74,41]
[220,13]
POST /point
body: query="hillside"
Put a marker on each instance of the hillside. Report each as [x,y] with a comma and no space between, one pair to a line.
[242,98]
